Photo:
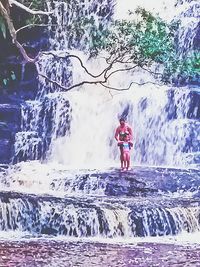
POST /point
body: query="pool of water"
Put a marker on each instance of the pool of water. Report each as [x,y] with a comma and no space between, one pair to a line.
[52,253]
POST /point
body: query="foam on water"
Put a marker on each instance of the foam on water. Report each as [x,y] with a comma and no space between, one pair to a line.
[183,239]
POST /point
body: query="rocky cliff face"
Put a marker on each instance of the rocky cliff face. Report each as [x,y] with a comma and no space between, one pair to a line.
[18,83]
[12,94]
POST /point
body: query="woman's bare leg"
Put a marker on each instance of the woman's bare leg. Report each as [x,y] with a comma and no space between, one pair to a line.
[127,161]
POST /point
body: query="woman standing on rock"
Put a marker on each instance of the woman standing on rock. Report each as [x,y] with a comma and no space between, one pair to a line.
[121,133]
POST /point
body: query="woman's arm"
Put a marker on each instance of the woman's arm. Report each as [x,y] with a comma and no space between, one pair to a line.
[117,134]
[130,132]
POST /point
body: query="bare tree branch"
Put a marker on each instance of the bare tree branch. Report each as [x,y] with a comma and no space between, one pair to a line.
[152,72]
[104,73]
[70,87]
[81,63]
[33,12]
[120,70]
[127,88]
[39,25]
[110,93]
[96,82]
[32,25]
[4,13]
[6,5]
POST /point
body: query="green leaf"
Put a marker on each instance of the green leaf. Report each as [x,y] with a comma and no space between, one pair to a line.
[5,81]
[3,27]
[13,76]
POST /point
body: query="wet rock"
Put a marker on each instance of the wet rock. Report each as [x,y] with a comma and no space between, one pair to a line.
[9,124]
[6,149]
[194,108]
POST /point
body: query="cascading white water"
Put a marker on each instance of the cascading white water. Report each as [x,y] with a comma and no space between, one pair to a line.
[45,216]
[63,35]
[76,128]
[189,24]
[51,112]
[95,113]
[27,141]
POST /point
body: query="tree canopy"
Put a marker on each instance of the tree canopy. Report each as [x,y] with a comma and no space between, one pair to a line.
[141,41]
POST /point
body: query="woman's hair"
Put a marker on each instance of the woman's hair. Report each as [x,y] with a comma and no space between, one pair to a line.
[122,119]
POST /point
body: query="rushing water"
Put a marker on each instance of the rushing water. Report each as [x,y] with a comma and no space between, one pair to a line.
[64,201]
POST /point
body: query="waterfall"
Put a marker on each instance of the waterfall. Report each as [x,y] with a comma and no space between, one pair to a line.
[76,128]
[49,116]
[63,35]
[94,119]
[80,126]
[36,216]
[189,26]
[65,181]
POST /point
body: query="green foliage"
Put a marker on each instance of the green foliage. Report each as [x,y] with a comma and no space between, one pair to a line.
[7,77]
[144,40]
[34,4]
[3,27]
[185,69]
[191,64]
[155,37]
[85,32]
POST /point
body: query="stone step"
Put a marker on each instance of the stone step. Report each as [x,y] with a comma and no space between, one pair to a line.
[10,113]
[8,130]
[194,109]
[5,131]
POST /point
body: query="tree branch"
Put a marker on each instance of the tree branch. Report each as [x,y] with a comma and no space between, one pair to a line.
[120,70]
[152,72]
[32,25]
[127,88]
[70,87]
[96,82]
[33,12]
[5,15]
[81,63]
[104,73]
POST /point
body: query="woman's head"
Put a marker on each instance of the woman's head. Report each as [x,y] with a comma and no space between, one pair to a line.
[122,121]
